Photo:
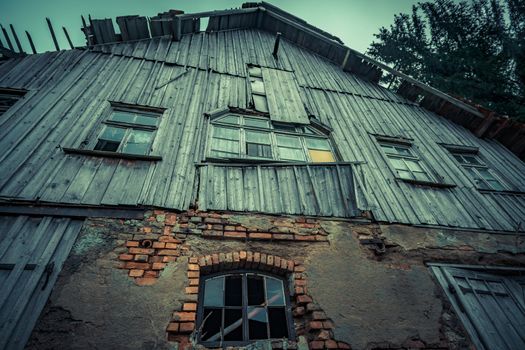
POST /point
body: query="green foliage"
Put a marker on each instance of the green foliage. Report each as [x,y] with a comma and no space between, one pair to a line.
[473,49]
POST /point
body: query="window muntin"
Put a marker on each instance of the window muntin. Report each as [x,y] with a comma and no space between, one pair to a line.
[127,131]
[406,164]
[242,307]
[253,137]
[8,98]
[478,171]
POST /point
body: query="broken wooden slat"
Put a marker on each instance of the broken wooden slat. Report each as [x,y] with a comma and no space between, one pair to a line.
[51,30]
[16,39]
[68,38]
[31,42]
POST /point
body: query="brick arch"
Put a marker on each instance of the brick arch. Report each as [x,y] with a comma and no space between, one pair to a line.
[243,260]
[309,319]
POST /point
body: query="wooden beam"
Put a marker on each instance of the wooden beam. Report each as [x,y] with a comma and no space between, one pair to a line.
[16,39]
[9,44]
[52,33]
[68,38]
[31,42]
[70,211]
[276,45]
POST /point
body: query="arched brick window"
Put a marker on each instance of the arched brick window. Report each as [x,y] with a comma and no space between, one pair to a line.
[242,306]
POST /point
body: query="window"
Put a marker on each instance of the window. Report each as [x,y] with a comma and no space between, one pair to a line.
[258,138]
[258,91]
[241,307]
[8,97]
[405,162]
[478,171]
[127,131]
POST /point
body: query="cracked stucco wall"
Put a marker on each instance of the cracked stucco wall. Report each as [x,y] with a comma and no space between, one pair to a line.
[376,302]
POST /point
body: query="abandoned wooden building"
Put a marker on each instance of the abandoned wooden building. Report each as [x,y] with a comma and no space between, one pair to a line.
[240,178]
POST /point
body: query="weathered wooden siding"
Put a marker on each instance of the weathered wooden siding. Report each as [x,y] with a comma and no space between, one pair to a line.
[69,90]
[317,189]
[32,252]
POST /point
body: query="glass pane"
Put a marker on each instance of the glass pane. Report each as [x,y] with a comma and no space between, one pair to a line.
[404,174]
[258,137]
[214,292]
[291,154]
[404,151]
[261,104]
[255,290]
[227,146]
[315,143]
[284,127]
[256,123]
[471,160]
[233,291]
[413,165]
[288,141]
[146,120]
[255,71]
[388,149]
[229,119]
[421,176]
[233,324]
[274,291]
[257,85]
[307,130]
[398,164]
[258,150]
[496,185]
[257,323]
[321,156]
[278,324]
[212,322]
[124,117]
[459,158]
[112,133]
[109,146]
[226,133]
[138,142]
[485,173]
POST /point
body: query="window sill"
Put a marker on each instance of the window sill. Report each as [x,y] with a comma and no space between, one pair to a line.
[427,183]
[89,152]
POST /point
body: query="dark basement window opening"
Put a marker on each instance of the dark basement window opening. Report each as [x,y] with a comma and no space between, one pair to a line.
[241,307]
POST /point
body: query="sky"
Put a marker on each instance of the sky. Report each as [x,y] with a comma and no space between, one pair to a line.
[353,21]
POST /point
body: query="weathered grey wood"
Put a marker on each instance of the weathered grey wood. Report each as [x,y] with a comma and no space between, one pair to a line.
[17,41]
[33,49]
[53,36]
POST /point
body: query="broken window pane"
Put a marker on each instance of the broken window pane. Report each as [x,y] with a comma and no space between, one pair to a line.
[233,324]
[255,290]
[110,139]
[274,291]
[233,291]
[257,323]
[212,319]
[214,292]
[277,321]
[255,71]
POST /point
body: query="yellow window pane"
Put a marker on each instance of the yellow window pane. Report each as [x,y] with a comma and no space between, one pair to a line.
[321,156]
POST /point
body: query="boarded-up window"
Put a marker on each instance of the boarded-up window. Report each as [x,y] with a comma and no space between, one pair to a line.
[490,303]
[282,93]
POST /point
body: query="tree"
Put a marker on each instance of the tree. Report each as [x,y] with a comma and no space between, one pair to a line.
[472,49]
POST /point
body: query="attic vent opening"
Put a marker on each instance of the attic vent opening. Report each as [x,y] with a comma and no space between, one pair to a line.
[203,23]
